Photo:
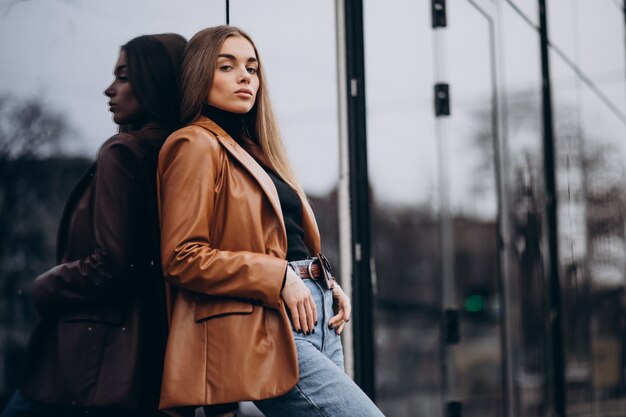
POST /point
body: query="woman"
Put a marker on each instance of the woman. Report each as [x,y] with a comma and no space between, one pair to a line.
[99,345]
[251,313]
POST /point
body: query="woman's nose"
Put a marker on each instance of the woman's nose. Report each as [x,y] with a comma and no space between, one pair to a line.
[245,76]
[109,91]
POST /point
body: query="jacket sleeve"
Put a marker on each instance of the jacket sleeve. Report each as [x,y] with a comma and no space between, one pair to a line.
[188,184]
[100,275]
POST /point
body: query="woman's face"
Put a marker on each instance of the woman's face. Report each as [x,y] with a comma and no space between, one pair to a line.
[236,79]
[123,103]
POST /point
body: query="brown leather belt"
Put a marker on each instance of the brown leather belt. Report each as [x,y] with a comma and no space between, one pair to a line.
[307,268]
[317,268]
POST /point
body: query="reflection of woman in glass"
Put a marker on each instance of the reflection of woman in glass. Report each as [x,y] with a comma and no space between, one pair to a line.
[251,311]
[99,345]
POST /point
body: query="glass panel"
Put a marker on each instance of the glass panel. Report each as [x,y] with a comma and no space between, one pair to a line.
[524,170]
[403,162]
[528,10]
[57,59]
[62,53]
[59,56]
[473,201]
[590,127]
[403,174]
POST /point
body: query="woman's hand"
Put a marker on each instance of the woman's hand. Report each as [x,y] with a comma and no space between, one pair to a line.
[343,308]
[300,303]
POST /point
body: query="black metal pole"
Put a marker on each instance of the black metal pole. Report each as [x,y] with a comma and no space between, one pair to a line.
[364,360]
[557,359]
[624,10]
[228,12]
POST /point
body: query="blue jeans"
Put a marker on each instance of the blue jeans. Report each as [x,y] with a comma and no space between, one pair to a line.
[323,390]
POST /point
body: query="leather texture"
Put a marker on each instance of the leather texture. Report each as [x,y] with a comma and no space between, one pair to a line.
[101,337]
[223,250]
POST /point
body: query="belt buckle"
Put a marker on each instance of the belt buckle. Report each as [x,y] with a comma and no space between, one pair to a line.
[327,270]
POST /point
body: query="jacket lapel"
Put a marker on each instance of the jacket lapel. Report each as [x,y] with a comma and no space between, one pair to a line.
[85,178]
[249,163]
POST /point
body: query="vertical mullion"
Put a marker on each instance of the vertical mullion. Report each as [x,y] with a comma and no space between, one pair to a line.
[364,363]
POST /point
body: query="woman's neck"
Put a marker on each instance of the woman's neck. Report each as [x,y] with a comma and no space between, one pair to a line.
[138,124]
[232,123]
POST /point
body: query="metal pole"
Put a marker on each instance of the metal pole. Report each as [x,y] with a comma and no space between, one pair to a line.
[364,359]
[554,284]
[505,228]
[228,12]
[343,192]
[624,10]
[450,334]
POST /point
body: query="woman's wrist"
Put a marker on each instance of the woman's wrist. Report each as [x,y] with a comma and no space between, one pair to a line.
[282,287]
[290,278]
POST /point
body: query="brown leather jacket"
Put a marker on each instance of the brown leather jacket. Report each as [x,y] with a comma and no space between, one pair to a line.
[101,338]
[223,246]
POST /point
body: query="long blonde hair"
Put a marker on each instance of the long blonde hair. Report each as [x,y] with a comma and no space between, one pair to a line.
[197,78]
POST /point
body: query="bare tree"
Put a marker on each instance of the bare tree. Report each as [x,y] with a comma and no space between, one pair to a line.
[34,180]
[28,131]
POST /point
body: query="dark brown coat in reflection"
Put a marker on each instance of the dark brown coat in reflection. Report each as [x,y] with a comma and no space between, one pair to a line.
[101,338]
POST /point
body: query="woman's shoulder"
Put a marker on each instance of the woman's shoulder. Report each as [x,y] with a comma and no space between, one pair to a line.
[140,142]
[116,152]
[118,143]
[123,145]
[193,138]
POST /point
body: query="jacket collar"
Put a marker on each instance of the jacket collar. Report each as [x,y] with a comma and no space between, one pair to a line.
[312,236]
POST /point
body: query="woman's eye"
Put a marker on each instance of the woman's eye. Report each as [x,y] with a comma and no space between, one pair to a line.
[226,67]
[252,70]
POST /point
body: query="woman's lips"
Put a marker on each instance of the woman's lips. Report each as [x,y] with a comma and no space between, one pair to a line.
[244,92]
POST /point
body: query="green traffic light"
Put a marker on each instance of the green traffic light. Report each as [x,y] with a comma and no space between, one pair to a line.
[475,303]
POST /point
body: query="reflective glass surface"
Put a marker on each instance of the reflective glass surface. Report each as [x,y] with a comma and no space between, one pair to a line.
[526,276]
[589,103]
[402,160]
[58,57]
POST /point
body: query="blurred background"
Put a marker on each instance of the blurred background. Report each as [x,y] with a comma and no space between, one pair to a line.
[482,303]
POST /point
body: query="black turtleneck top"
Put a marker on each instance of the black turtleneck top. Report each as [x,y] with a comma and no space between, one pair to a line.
[290,202]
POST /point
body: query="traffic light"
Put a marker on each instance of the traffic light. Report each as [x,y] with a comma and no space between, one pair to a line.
[475,303]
